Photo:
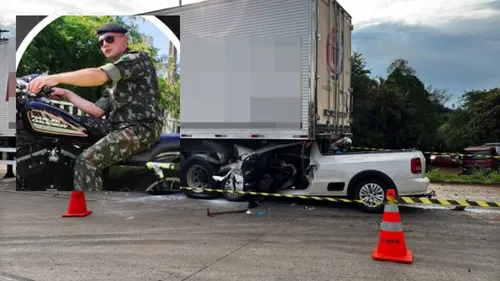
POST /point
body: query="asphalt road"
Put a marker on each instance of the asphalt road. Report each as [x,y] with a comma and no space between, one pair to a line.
[141,237]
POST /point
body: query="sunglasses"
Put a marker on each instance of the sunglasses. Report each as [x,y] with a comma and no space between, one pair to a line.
[108,38]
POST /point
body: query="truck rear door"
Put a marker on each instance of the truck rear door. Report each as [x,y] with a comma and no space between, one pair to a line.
[334,98]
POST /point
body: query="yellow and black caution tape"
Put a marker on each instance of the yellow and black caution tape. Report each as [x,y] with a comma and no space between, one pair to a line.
[431,152]
[395,200]
[446,202]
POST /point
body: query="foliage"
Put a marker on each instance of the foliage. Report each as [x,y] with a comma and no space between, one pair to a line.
[477,177]
[171,88]
[70,43]
[399,111]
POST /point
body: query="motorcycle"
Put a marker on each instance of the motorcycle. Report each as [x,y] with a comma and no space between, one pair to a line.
[49,139]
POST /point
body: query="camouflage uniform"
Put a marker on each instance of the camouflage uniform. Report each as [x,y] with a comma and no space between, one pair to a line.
[131,101]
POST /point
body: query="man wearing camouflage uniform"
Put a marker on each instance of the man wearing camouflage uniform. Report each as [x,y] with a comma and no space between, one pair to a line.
[131,101]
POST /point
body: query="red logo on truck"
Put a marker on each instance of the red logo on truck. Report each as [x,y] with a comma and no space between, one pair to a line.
[11,86]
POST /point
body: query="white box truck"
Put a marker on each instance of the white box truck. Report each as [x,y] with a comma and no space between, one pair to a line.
[265,89]
[7,102]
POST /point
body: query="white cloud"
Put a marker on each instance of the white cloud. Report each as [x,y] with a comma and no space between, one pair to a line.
[458,56]
[421,12]
[364,12]
[87,7]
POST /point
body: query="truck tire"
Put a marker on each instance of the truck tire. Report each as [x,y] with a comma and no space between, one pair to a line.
[197,173]
[373,188]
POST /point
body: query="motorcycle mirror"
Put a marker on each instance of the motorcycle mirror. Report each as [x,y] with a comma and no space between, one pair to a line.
[20,83]
[47,90]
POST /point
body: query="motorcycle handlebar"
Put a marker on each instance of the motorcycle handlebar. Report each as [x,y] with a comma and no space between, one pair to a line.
[24,82]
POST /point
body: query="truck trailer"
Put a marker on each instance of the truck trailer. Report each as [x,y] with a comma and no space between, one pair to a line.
[265,92]
[7,102]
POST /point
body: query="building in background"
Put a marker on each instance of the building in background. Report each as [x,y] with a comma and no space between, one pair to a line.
[7,101]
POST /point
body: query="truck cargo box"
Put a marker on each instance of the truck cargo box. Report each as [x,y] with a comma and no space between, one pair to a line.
[7,100]
[275,69]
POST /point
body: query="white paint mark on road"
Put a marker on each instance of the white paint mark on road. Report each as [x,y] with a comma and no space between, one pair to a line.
[467,209]
[152,198]
[221,202]
[9,277]
[483,211]
[429,207]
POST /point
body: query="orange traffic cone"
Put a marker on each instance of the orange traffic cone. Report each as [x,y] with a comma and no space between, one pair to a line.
[391,245]
[77,206]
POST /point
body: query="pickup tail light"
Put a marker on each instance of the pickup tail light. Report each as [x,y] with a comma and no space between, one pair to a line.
[416,166]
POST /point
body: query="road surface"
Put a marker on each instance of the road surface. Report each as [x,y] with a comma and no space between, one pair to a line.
[141,237]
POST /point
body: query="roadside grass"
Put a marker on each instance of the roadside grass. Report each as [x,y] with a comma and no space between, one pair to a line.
[477,177]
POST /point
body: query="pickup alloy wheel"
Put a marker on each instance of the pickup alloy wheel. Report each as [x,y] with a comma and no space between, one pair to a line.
[229,194]
[372,191]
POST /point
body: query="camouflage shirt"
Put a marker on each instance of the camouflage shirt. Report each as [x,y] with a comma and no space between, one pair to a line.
[132,96]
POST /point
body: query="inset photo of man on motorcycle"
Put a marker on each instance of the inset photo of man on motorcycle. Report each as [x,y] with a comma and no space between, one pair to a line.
[98,104]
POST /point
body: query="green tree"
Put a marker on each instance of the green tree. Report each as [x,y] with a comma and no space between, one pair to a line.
[70,43]
[365,119]
[484,115]
[171,89]
[400,111]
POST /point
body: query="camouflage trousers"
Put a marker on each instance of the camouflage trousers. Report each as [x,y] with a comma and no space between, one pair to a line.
[115,147]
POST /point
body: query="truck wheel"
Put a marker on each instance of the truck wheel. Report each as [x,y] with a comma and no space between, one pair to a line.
[228,193]
[197,173]
[373,192]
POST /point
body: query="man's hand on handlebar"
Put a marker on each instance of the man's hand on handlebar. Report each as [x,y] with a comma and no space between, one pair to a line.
[37,84]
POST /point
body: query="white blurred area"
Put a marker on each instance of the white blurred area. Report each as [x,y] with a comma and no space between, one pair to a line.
[364,12]
[84,7]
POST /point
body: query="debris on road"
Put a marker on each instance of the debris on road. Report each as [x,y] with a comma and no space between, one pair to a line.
[211,214]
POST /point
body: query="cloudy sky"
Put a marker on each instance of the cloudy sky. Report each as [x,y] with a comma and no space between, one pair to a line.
[452,44]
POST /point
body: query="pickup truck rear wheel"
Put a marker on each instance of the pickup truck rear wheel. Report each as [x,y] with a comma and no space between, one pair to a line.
[372,191]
